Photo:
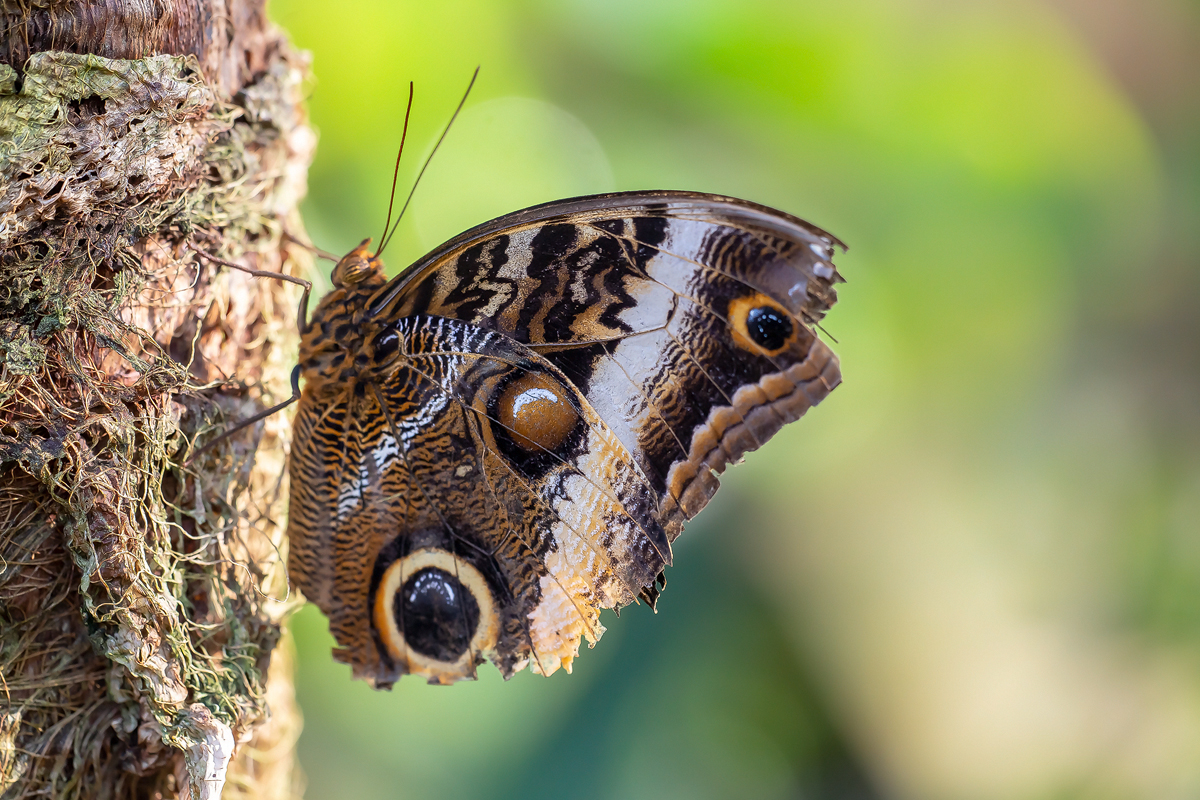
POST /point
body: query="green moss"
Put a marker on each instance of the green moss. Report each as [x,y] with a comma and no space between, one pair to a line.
[138,573]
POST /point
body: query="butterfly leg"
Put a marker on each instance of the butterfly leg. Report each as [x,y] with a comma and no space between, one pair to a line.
[301,321]
[316,251]
[251,420]
[301,312]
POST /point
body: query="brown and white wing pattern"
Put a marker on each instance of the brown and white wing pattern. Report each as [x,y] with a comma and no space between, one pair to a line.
[685,319]
[455,524]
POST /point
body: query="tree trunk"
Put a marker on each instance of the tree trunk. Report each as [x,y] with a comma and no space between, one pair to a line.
[140,594]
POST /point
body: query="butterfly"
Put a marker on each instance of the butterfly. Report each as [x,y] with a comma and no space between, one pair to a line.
[508,436]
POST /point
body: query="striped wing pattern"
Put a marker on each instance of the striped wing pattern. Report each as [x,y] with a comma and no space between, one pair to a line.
[506,438]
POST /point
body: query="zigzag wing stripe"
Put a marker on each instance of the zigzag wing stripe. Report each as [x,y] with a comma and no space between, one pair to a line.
[668,272]
[625,488]
[809,298]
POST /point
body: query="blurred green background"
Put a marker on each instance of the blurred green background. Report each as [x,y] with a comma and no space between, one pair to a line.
[974,571]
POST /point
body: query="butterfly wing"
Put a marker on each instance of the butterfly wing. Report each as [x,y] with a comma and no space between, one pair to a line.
[435,532]
[684,318]
[543,401]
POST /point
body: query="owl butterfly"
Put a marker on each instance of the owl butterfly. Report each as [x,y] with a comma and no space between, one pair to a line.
[507,437]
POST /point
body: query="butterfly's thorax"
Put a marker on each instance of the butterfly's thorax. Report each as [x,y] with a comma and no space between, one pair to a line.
[339,346]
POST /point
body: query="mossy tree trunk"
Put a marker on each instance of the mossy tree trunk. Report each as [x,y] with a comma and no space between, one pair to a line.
[140,593]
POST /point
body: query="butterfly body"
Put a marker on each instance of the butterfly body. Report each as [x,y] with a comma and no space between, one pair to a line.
[507,437]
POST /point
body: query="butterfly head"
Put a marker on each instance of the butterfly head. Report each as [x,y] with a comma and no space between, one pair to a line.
[356,266]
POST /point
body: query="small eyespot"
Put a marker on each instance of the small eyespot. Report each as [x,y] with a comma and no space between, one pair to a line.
[759,324]
[535,412]
[768,327]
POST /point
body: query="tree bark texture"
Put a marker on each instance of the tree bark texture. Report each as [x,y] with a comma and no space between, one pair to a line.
[141,593]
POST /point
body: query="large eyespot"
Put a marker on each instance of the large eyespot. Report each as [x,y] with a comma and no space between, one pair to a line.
[435,614]
[761,325]
[535,412]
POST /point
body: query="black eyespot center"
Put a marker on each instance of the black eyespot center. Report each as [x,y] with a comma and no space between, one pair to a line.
[436,613]
[769,327]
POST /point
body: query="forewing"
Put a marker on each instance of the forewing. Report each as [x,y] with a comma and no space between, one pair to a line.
[651,303]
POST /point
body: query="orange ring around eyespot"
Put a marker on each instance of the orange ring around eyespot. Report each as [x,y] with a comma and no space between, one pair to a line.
[739,312]
[483,641]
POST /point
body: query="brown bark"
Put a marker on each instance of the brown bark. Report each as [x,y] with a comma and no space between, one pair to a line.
[140,594]
[233,41]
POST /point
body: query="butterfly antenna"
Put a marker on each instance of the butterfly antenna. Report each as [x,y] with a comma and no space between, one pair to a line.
[425,166]
[396,171]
